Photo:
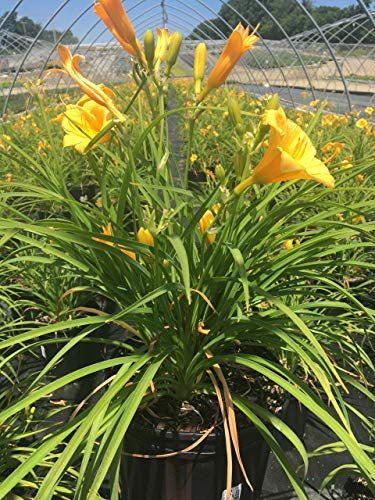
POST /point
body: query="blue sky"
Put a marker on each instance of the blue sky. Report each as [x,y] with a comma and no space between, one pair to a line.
[143,13]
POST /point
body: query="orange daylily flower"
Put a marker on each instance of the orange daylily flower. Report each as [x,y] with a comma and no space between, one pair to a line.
[82,122]
[238,43]
[161,47]
[289,156]
[206,221]
[334,148]
[113,14]
[97,93]
[107,231]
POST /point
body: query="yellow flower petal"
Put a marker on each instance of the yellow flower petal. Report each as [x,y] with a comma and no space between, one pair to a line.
[144,236]
[289,156]
[206,221]
[82,123]
[79,143]
[361,123]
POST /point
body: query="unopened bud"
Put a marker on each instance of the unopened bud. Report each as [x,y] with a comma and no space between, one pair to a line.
[274,102]
[240,129]
[239,161]
[174,49]
[220,173]
[166,264]
[234,111]
[199,66]
[149,46]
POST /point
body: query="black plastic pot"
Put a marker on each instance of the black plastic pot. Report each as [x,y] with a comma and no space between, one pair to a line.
[294,414]
[199,474]
[356,489]
[83,193]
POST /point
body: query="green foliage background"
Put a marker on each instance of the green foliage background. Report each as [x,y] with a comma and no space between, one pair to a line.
[293,20]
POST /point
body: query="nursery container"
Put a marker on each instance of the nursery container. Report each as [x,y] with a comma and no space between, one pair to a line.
[294,414]
[199,474]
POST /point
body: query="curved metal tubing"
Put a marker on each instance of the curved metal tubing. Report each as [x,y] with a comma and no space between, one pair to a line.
[10,13]
[368,13]
[59,9]
[346,90]
[291,45]
[265,45]
[183,16]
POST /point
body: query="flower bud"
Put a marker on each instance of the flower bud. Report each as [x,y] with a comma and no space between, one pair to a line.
[240,129]
[220,173]
[166,264]
[144,236]
[149,46]
[174,49]
[199,66]
[234,111]
[239,161]
[274,102]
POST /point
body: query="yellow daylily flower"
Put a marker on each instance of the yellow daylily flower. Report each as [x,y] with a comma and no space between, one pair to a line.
[362,123]
[238,43]
[289,156]
[113,14]
[82,122]
[144,236]
[206,221]
[288,244]
[161,47]
[95,92]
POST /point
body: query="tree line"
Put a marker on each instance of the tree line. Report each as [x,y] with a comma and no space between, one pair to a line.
[288,14]
[27,27]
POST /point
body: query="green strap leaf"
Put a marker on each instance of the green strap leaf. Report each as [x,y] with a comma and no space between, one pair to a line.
[240,265]
[184,262]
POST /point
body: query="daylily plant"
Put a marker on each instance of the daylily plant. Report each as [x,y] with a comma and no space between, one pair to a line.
[219,297]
